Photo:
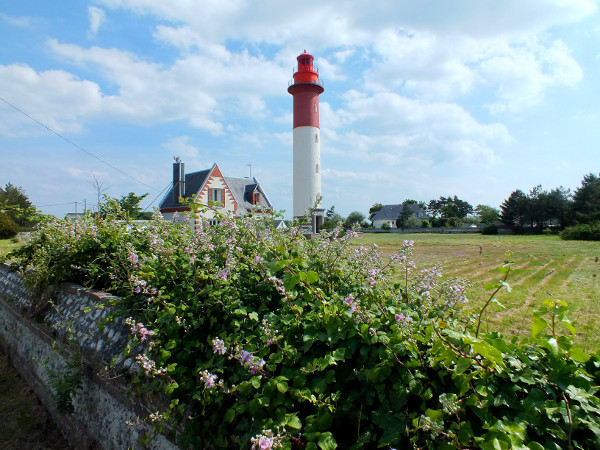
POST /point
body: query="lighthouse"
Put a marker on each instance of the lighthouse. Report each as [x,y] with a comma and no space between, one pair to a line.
[305,88]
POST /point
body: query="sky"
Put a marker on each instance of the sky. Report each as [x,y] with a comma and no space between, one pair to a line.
[422,99]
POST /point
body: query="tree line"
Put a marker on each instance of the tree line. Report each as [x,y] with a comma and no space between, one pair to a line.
[555,209]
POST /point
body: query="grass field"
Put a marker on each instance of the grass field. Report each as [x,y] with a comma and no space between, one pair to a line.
[543,267]
[6,245]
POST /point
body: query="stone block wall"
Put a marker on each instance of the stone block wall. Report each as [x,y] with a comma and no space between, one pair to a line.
[107,415]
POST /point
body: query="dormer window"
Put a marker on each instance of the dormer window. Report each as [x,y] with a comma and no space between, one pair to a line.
[256,198]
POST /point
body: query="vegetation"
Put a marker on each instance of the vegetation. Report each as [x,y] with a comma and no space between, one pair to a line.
[544,266]
[448,210]
[489,229]
[582,232]
[127,207]
[15,208]
[354,218]
[487,214]
[8,228]
[265,339]
[558,209]
[25,423]
[8,245]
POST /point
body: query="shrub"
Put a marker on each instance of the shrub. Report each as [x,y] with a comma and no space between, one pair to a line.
[489,229]
[264,338]
[425,224]
[8,228]
[582,232]
[386,226]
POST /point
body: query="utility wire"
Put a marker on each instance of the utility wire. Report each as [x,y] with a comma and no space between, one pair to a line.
[152,202]
[56,204]
[75,145]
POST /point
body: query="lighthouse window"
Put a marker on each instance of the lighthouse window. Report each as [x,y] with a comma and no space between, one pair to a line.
[316,137]
[315,107]
[317,168]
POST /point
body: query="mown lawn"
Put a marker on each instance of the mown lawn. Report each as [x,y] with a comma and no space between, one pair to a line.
[7,245]
[543,267]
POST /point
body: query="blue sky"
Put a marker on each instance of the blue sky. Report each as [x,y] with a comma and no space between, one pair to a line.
[422,99]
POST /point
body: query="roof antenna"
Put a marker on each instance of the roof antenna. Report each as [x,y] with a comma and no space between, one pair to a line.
[250,165]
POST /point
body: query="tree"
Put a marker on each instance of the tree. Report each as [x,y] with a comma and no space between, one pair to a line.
[8,228]
[514,210]
[16,205]
[127,206]
[586,200]
[331,219]
[354,217]
[413,222]
[449,208]
[373,209]
[487,214]
[560,206]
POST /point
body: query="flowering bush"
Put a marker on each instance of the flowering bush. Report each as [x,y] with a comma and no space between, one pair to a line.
[264,339]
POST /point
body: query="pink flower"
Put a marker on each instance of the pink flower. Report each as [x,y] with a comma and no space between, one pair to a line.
[265,443]
[219,346]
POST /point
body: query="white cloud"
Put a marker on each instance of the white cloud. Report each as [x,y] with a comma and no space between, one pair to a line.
[524,73]
[96,17]
[181,146]
[43,97]
[20,22]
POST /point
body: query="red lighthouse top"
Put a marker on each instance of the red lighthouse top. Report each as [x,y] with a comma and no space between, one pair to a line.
[306,72]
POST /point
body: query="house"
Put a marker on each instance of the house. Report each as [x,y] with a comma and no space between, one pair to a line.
[231,196]
[390,214]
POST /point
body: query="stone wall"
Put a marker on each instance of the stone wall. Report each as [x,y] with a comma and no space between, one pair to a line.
[106,414]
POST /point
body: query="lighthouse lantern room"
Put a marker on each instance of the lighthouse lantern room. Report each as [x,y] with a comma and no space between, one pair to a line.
[305,88]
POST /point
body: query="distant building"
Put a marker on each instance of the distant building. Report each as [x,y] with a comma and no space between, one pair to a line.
[391,214]
[74,216]
[231,196]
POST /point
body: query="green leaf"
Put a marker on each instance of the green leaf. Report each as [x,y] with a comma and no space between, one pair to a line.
[255,382]
[230,415]
[579,355]
[327,442]
[292,421]
[488,352]
[537,326]
[312,277]
[569,327]
[490,286]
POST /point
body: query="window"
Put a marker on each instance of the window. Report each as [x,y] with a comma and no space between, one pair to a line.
[214,222]
[217,196]
[256,198]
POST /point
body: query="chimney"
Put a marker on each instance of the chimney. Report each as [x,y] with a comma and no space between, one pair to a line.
[178,180]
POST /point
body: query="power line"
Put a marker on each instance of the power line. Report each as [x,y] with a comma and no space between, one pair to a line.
[56,204]
[152,202]
[75,145]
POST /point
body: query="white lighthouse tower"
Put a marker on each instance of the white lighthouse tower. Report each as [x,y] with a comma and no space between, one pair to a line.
[306,88]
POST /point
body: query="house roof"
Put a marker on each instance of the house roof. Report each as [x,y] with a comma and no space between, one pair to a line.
[393,212]
[193,182]
[388,212]
[241,189]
